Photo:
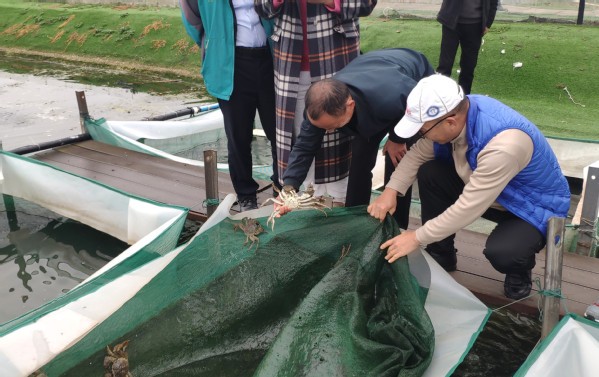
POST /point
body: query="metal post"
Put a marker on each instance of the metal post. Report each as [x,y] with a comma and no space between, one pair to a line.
[11,213]
[587,243]
[211,176]
[553,273]
[83,112]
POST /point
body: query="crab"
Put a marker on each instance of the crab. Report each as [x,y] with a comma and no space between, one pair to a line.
[116,361]
[251,228]
[294,201]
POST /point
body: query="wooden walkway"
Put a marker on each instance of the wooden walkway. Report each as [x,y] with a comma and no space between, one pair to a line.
[580,277]
[171,182]
[140,174]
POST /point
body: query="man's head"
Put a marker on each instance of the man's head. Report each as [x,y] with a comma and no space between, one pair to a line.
[436,108]
[329,104]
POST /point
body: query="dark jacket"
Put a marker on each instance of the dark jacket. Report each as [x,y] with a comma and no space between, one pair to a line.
[379,83]
[450,13]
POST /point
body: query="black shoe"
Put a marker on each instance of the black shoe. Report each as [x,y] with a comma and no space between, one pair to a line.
[447,259]
[517,285]
[247,204]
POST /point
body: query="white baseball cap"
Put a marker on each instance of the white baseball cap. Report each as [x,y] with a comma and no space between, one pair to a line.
[432,98]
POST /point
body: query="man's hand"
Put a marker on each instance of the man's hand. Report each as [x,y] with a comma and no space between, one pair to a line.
[384,204]
[282,209]
[324,2]
[395,151]
[400,246]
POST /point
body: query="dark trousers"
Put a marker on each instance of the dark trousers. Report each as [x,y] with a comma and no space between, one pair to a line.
[359,185]
[513,243]
[469,38]
[253,89]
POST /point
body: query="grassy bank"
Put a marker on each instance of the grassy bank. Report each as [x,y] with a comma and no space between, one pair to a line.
[554,87]
[142,37]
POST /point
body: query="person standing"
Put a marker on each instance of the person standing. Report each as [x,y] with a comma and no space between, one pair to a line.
[312,40]
[476,157]
[365,100]
[237,69]
[464,23]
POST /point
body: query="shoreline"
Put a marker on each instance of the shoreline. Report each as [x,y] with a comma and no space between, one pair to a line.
[107,62]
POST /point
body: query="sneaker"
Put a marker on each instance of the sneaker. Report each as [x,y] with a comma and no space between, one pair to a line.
[517,285]
[446,259]
[592,312]
[247,204]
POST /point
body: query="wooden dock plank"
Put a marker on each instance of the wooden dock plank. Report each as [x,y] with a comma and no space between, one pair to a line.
[135,188]
[106,154]
[579,287]
[141,174]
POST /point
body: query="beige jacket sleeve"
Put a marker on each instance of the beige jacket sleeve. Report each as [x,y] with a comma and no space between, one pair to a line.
[501,160]
[405,173]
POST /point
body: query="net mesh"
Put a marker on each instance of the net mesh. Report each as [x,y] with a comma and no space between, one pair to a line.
[316,297]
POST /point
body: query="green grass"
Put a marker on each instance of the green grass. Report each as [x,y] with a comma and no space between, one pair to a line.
[554,56]
[144,35]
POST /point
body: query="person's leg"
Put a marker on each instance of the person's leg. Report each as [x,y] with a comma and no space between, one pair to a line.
[470,40]
[402,211]
[439,187]
[266,108]
[449,48]
[511,249]
[239,113]
[359,185]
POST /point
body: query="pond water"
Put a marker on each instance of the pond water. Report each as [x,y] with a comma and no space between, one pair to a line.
[43,255]
[35,107]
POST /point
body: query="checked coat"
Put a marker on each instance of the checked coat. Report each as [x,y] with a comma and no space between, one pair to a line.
[333,41]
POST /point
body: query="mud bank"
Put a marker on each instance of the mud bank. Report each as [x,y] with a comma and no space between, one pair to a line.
[36,109]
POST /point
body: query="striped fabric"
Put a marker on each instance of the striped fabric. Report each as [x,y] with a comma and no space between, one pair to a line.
[333,41]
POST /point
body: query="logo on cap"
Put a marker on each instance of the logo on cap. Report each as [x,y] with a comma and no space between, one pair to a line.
[432,111]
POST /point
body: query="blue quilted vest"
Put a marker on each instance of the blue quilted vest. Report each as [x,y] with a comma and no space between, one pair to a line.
[538,192]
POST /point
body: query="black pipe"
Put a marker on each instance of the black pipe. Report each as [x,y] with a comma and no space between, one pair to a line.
[50,144]
[174,114]
[188,111]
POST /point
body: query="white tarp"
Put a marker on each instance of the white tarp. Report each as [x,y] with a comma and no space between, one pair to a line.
[574,155]
[24,348]
[108,210]
[571,349]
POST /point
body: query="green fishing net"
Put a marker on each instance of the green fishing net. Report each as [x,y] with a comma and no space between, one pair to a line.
[314,297]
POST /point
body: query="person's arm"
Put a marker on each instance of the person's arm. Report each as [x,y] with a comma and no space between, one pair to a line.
[491,15]
[302,154]
[500,161]
[401,179]
[333,6]
[192,20]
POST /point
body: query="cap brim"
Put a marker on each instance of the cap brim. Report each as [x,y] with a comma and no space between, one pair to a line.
[407,128]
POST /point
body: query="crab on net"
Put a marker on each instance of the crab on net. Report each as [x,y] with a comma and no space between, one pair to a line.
[293,200]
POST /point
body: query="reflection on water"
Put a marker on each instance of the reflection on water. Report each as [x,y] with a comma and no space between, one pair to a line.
[157,83]
[43,255]
[502,346]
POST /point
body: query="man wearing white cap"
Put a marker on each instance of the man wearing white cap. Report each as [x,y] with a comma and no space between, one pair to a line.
[476,157]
